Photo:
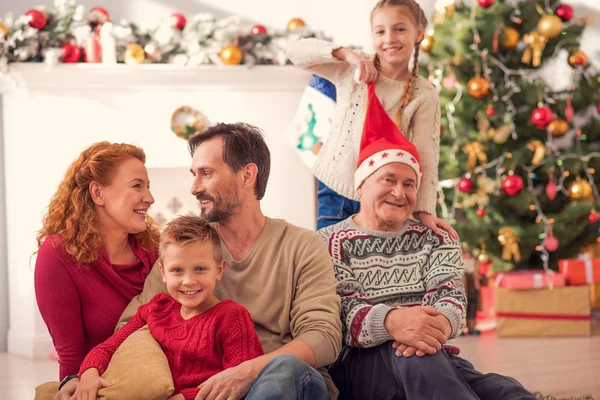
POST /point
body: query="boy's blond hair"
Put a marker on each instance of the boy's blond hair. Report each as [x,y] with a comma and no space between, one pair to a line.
[188,229]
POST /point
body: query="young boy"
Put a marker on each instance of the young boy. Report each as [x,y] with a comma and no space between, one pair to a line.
[200,335]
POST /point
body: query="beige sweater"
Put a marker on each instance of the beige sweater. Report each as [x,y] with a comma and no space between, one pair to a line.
[420,120]
[288,285]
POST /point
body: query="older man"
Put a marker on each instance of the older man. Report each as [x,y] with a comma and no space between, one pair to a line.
[400,285]
[280,272]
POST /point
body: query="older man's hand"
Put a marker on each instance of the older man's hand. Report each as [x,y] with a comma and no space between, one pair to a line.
[417,327]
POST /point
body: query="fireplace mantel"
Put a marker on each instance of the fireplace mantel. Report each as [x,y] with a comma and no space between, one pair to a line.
[50,114]
[81,76]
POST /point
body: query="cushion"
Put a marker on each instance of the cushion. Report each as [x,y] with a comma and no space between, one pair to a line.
[46,391]
[138,370]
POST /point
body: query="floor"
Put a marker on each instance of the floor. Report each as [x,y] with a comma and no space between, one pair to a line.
[562,366]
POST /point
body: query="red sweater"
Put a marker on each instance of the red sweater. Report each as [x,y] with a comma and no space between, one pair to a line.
[198,348]
[82,304]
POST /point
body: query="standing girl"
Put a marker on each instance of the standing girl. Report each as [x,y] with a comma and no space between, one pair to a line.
[397,28]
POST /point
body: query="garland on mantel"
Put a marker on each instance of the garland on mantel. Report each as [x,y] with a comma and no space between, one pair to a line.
[69,33]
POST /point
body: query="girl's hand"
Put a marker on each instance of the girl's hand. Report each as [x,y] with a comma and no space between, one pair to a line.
[89,384]
[365,69]
[435,224]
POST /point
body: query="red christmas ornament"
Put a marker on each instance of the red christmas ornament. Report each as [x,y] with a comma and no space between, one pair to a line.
[480,212]
[485,3]
[71,53]
[490,111]
[593,217]
[541,117]
[36,19]
[178,21]
[512,185]
[551,190]
[258,30]
[564,12]
[569,111]
[99,15]
[551,243]
[465,185]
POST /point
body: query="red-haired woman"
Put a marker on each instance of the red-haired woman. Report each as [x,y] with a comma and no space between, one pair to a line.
[96,247]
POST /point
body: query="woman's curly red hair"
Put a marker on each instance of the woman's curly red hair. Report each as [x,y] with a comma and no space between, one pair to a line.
[72,214]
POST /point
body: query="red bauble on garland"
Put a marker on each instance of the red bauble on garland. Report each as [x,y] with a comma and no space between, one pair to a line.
[178,21]
[465,185]
[593,217]
[512,185]
[541,117]
[258,30]
[480,212]
[564,12]
[551,190]
[490,111]
[551,243]
[36,19]
[71,53]
[485,3]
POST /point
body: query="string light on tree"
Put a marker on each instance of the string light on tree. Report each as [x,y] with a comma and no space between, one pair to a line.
[593,217]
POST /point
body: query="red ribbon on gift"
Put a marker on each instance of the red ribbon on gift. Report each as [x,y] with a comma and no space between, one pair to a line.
[569,317]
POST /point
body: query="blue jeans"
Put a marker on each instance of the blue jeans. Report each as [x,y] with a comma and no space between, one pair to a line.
[333,207]
[288,377]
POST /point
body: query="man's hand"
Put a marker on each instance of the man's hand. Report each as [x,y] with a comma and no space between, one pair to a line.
[231,384]
[417,327]
[403,350]
[67,390]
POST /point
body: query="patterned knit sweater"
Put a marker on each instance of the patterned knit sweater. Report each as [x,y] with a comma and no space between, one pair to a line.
[196,348]
[420,120]
[378,271]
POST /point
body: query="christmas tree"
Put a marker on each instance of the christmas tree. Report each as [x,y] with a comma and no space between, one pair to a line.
[518,157]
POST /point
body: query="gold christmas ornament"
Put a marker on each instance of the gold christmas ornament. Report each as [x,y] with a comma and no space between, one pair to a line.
[510,38]
[475,151]
[483,256]
[536,44]
[580,189]
[231,55]
[427,43]
[508,239]
[3,30]
[457,59]
[550,26]
[295,24]
[558,127]
[478,87]
[134,54]
[539,151]
[578,59]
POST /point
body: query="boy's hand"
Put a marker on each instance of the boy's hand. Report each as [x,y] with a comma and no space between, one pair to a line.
[365,69]
[435,224]
[89,384]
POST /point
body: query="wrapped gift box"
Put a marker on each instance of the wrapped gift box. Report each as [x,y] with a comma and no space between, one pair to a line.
[595,296]
[563,311]
[529,279]
[580,271]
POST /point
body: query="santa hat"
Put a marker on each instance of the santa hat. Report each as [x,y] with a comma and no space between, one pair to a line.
[383,143]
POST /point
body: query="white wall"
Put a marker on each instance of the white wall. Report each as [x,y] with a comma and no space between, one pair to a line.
[3,257]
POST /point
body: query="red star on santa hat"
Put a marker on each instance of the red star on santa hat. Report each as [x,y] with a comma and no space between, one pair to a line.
[384,155]
[371,162]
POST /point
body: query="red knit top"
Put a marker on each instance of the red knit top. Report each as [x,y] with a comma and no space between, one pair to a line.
[196,348]
[81,304]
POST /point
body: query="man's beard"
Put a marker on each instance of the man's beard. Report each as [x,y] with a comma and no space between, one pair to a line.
[221,211]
